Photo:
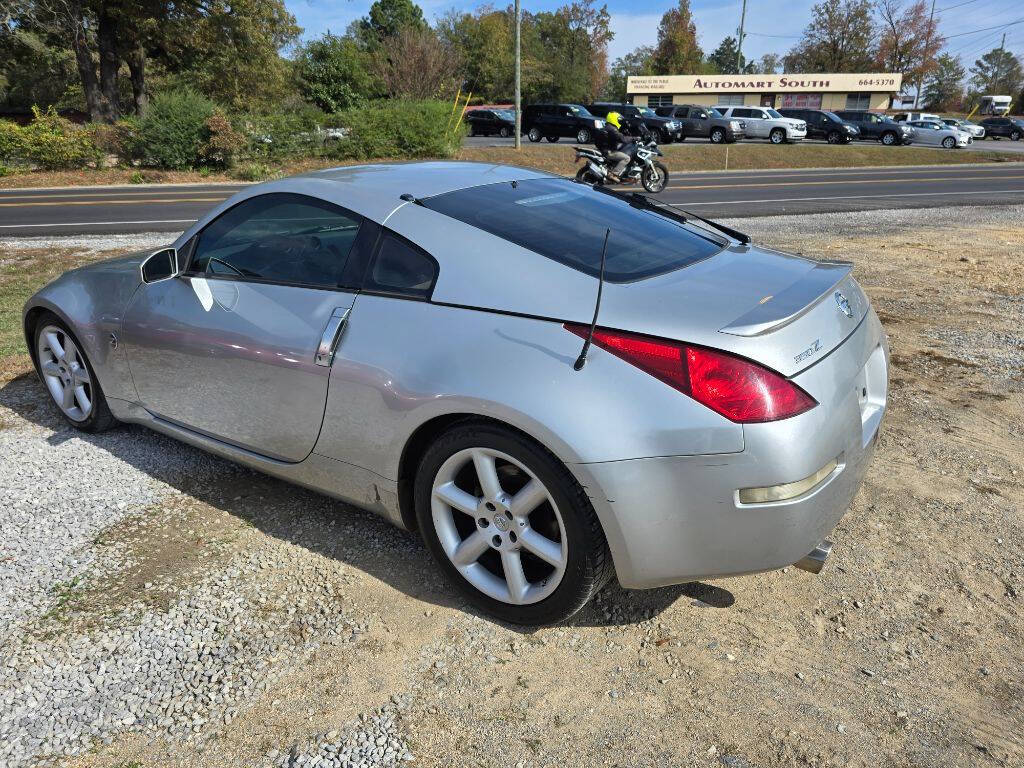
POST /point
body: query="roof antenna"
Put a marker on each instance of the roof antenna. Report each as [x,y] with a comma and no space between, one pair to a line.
[582,359]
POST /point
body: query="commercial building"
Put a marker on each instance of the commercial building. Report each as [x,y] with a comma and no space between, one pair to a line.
[819,91]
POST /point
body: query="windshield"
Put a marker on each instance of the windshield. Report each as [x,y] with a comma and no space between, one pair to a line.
[714,112]
[834,116]
[647,112]
[578,110]
[566,222]
[505,114]
[773,113]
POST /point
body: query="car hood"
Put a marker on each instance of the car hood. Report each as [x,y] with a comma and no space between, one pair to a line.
[120,267]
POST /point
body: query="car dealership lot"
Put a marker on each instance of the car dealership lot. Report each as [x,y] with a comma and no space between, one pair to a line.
[164,606]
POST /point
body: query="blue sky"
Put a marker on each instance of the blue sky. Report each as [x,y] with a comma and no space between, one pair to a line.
[772,25]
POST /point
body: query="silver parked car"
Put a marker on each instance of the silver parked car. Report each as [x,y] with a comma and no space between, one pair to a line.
[976,131]
[415,339]
[939,134]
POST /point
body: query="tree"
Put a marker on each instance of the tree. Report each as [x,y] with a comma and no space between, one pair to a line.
[569,49]
[945,89]
[634,63]
[769,64]
[724,59]
[333,72]
[997,72]
[840,38]
[485,43]
[386,19]
[677,51]
[414,64]
[908,39]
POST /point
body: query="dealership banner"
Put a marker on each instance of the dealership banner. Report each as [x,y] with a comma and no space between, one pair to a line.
[820,83]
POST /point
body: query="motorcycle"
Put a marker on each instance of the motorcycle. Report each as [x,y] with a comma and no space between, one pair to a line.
[642,167]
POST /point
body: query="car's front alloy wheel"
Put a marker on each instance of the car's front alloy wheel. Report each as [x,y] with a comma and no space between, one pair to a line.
[509,525]
[778,136]
[69,378]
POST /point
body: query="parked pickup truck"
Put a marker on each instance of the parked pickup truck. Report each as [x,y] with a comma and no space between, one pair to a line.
[665,129]
[704,123]
[878,127]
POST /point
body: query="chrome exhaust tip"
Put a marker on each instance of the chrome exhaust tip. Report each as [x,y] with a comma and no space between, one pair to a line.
[814,560]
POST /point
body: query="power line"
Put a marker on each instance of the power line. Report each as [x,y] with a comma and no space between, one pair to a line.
[950,7]
[985,29]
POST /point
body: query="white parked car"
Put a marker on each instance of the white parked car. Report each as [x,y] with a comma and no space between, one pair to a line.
[766,123]
[909,117]
[976,131]
[937,134]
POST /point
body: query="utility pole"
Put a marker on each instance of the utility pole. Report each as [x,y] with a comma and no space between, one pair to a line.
[739,44]
[999,66]
[924,63]
[519,111]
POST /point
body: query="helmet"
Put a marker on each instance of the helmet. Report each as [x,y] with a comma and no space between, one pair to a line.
[614,118]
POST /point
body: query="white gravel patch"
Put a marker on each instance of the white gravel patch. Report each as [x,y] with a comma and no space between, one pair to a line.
[93,243]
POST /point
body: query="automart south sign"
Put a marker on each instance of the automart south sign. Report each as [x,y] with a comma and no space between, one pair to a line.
[818,83]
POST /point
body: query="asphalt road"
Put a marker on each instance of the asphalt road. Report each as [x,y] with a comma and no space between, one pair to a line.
[739,193]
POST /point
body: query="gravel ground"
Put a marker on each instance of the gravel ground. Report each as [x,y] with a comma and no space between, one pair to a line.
[159,606]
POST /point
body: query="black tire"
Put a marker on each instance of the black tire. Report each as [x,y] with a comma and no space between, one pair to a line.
[834,137]
[661,137]
[504,132]
[652,185]
[100,418]
[584,176]
[949,142]
[1015,136]
[534,135]
[582,136]
[552,139]
[717,136]
[777,136]
[589,563]
[890,139]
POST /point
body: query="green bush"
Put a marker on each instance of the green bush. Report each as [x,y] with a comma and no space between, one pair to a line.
[398,128]
[283,135]
[11,142]
[53,143]
[174,130]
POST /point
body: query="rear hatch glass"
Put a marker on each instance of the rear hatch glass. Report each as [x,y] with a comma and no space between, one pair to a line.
[566,222]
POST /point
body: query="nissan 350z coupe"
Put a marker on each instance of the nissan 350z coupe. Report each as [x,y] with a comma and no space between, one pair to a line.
[410,339]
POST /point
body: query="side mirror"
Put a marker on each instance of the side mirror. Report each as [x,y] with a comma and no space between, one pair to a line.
[160,265]
[703,116]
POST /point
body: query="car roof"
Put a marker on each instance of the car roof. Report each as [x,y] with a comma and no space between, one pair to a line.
[384,182]
[375,190]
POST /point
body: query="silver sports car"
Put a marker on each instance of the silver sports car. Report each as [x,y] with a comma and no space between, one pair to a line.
[552,383]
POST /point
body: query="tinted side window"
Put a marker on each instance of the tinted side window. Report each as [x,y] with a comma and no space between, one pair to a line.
[280,238]
[401,267]
[741,113]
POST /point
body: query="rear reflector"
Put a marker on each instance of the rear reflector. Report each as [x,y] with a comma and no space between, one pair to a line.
[786,490]
[740,390]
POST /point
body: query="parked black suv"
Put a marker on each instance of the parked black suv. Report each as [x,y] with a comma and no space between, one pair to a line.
[704,122]
[487,122]
[997,127]
[881,128]
[551,121]
[824,125]
[665,129]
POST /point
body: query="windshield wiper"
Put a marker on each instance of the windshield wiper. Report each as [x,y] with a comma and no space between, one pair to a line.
[643,202]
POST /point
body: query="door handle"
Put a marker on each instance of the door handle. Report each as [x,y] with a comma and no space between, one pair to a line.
[332,335]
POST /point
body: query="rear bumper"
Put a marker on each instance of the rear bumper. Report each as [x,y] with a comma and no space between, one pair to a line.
[674,519]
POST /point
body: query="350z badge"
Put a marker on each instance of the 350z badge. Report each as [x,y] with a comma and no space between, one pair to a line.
[808,352]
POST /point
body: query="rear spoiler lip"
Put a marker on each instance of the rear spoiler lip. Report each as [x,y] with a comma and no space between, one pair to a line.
[792,303]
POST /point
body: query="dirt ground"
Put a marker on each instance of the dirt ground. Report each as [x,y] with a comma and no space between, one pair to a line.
[908,650]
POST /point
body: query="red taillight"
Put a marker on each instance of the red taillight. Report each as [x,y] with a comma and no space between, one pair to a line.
[738,389]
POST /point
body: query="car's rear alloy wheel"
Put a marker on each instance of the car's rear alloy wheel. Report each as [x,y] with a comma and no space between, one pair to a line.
[509,525]
[534,135]
[504,132]
[69,378]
